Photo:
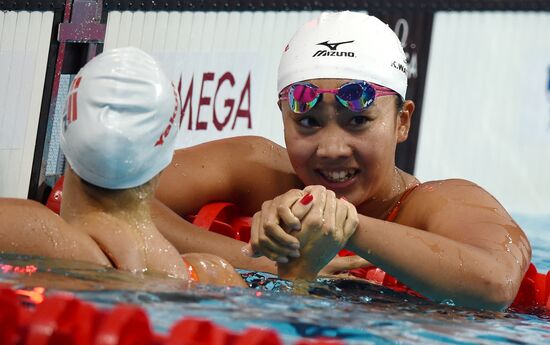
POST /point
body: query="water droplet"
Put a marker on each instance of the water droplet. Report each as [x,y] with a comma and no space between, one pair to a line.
[448,302]
[365,299]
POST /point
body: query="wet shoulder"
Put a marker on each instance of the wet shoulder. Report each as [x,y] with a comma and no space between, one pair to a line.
[245,142]
[21,209]
[445,198]
[450,187]
[235,149]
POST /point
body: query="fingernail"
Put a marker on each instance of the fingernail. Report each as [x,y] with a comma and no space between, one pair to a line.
[306,199]
[282,260]
[344,198]
[295,245]
[294,254]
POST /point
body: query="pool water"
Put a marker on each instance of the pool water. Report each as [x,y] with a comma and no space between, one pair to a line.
[537,229]
[357,312]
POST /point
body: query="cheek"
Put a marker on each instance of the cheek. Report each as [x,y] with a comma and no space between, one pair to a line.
[295,142]
[299,149]
[299,156]
[377,148]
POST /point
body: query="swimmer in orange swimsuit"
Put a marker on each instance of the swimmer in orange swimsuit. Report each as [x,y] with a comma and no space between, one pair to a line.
[344,115]
[118,135]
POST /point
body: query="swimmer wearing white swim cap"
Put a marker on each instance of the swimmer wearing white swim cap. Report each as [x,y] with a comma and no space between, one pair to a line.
[345,45]
[119,130]
[121,120]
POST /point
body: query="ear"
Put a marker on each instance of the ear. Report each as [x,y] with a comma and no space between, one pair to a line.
[404,121]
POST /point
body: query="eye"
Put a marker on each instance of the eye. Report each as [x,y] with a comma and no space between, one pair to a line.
[308,122]
[358,121]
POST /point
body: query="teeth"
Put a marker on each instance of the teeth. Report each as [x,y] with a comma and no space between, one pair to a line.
[338,176]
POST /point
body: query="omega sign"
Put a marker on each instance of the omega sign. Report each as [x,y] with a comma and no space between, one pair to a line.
[215,100]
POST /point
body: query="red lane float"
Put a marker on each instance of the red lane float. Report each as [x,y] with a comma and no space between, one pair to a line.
[10,316]
[66,320]
[223,218]
[61,320]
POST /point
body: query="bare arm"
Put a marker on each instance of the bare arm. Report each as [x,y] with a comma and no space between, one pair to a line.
[243,170]
[30,228]
[454,241]
[188,238]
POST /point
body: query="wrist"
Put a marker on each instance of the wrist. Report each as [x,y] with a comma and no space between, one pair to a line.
[297,269]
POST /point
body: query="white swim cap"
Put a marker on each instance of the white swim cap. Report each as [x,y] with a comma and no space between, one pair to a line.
[121,120]
[345,45]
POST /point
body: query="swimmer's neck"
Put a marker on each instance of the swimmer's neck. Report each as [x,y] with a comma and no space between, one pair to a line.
[380,204]
[80,200]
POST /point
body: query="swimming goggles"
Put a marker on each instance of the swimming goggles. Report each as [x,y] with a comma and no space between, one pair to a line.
[356,95]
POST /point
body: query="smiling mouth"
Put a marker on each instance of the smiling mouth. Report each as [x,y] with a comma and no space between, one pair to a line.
[338,176]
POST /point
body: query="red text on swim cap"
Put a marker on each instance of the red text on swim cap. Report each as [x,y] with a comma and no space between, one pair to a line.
[168,128]
[72,109]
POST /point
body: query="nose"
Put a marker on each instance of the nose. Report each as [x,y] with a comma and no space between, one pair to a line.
[333,145]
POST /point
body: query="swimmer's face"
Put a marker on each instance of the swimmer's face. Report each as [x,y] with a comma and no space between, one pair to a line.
[351,153]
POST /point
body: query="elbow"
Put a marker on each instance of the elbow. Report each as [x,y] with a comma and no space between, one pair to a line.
[501,281]
[491,294]
[494,292]
[499,293]
[500,289]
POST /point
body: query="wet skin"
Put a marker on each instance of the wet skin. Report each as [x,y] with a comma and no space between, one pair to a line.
[105,227]
[451,239]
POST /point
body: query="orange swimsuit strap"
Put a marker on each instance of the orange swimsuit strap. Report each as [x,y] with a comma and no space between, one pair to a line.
[192,273]
[395,209]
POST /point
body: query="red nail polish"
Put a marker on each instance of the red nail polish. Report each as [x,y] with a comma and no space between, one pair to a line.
[306,199]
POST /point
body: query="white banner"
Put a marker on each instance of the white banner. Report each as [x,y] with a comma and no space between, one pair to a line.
[224,63]
[222,96]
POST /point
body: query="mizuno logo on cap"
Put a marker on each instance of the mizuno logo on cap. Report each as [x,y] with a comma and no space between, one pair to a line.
[333,47]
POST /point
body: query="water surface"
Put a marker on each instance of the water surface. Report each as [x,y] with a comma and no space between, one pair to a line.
[357,312]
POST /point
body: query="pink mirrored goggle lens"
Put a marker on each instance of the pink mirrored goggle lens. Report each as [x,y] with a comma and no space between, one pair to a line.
[355,95]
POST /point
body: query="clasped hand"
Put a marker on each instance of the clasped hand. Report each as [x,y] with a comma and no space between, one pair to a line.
[303,230]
